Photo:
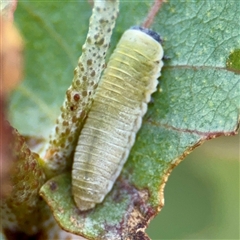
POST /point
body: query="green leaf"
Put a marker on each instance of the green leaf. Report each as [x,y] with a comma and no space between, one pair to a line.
[198,99]
[2,236]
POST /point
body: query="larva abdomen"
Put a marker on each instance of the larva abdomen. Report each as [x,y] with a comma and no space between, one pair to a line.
[116,115]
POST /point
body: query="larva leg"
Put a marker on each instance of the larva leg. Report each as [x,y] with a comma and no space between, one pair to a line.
[79,96]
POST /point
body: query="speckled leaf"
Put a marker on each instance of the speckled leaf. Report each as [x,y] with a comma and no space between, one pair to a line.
[122,213]
[198,100]
[21,209]
[79,96]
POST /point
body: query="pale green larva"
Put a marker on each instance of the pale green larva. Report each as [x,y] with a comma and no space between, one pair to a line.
[116,115]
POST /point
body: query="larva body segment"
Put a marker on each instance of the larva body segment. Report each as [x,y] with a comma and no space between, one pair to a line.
[115,117]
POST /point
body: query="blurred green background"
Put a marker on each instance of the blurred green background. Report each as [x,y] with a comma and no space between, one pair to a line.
[202,195]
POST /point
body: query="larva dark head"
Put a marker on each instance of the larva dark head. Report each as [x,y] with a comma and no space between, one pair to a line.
[149,32]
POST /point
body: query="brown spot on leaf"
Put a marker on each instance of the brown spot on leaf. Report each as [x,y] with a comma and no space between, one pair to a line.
[67,131]
[96,36]
[74,119]
[76,97]
[100,42]
[73,108]
[65,123]
[89,62]
[93,73]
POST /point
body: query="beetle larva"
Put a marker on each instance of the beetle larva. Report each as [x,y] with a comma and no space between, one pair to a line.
[116,115]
